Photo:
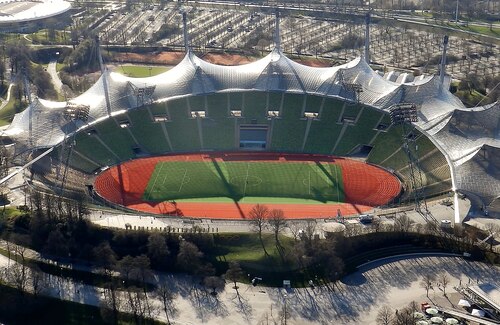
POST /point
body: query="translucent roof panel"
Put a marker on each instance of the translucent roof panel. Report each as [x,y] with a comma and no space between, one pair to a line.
[481,174]
[461,133]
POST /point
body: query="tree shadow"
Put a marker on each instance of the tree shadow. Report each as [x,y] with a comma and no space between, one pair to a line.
[243,307]
[206,305]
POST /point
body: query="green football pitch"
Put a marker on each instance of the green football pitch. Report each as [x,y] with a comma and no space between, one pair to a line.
[242,181]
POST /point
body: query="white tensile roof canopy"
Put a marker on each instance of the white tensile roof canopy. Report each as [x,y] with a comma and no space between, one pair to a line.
[468,137]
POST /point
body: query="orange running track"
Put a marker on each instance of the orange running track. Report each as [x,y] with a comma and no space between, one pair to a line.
[365,186]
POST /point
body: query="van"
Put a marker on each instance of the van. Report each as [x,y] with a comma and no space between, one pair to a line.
[365,218]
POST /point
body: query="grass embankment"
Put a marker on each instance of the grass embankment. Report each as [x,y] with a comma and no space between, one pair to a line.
[248,251]
[484,30]
[8,111]
[60,66]
[44,36]
[140,71]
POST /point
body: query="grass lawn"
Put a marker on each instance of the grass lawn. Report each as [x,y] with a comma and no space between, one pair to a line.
[7,113]
[42,36]
[60,66]
[247,250]
[237,181]
[9,213]
[140,71]
[470,99]
[476,29]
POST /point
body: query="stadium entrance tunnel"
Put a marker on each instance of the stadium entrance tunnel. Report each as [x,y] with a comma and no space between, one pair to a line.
[228,185]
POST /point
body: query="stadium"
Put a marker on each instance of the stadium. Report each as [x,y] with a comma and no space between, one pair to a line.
[204,140]
[23,16]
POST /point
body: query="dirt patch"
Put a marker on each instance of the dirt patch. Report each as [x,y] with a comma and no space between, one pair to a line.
[228,59]
[166,58]
[313,62]
[173,58]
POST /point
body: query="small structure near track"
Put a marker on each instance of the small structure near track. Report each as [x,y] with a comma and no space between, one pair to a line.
[333,229]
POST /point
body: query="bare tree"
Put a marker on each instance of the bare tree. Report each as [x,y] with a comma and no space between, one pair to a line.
[444,280]
[427,282]
[385,315]
[258,216]
[157,249]
[189,257]
[134,303]
[309,230]
[233,274]
[405,316]
[403,223]
[335,268]
[105,257]
[166,296]
[214,282]
[16,275]
[38,283]
[353,230]
[296,229]
[135,268]
[19,248]
[110,303]
[126,266]
[277,223]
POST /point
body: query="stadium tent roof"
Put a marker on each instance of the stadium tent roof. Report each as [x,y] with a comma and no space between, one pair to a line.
[468,137]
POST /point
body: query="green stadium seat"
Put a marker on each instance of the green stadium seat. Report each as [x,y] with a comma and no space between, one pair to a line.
[274,101]
[150,135]
[219,133]
[236,101]
[217,106]
[362,132]
[289,129]
[255,106]
[313,103]
[116,138]
[324,132]
[197,103]
[89,146]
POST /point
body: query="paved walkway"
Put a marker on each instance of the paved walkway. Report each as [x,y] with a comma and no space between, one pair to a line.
[52,70]
[179,224]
